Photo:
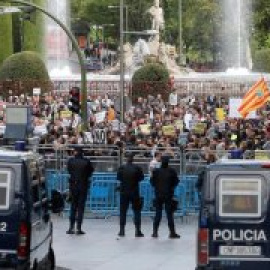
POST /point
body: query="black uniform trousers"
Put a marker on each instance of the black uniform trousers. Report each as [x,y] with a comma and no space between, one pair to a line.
[125,201]
[77,208]
[159,202]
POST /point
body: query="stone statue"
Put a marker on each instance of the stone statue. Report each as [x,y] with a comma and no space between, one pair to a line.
[157,15]
[140,50]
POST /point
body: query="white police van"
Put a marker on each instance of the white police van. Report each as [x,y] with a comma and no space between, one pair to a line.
[234,223]
[25,224]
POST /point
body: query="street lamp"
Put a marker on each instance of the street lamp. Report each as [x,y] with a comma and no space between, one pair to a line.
[180,7]
[121,86]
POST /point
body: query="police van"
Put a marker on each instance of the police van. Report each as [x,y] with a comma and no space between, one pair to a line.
[234,221]
[25,224]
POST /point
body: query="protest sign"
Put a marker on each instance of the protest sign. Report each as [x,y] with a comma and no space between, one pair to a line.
[65,114]
[145,129]
[168,130]
[96,136]
[220,114]
[179,124]
[100,117]
[36,91]
[199,128]
[173,99]
[115,125]
[262,155]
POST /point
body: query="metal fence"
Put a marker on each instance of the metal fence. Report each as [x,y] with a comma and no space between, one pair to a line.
[109,158]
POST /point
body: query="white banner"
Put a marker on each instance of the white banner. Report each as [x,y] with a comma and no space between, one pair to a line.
[234,104]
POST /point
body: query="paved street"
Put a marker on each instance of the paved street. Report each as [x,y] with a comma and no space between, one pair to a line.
[101,249]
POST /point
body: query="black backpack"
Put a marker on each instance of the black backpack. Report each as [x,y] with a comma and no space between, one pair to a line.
[57,202]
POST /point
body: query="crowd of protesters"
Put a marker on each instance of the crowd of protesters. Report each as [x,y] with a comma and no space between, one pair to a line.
[150,123]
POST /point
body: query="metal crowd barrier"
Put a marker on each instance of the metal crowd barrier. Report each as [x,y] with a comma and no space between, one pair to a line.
[108,158]
[103,197]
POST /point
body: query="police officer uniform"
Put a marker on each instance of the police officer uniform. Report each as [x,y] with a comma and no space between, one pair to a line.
[80,169]
[164,180]
[130,176]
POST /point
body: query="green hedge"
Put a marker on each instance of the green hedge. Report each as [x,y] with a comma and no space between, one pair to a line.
[26,70]
[261,60]
[34,31]
[6,46]
[152,79]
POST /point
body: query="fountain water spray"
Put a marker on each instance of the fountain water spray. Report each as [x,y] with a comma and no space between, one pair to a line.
[58,52]
[236,34]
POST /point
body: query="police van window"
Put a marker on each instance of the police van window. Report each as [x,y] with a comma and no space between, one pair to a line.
[240,197]
[5,182]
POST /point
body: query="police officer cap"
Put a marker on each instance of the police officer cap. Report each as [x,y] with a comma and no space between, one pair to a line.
[78,148]
[129,155]
[165,159]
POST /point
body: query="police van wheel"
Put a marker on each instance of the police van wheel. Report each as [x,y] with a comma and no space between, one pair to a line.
[50,260]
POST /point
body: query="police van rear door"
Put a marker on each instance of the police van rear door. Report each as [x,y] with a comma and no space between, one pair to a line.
[240,223]
[9,213]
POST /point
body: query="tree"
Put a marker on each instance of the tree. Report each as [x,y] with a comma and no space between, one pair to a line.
[25,70]
[34,30]
[151,79]
[6,46]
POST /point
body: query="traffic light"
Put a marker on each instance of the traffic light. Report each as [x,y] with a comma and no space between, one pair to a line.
[74,100]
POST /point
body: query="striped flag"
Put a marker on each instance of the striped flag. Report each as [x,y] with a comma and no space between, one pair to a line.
[255,98]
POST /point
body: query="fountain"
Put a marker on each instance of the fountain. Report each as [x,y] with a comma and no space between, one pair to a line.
[58,52]
[236,53]
[235,36]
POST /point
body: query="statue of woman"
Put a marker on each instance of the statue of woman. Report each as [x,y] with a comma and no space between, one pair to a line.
[157,15]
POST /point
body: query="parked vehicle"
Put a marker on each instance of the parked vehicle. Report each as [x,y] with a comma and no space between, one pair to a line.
[234,231]
[25,224]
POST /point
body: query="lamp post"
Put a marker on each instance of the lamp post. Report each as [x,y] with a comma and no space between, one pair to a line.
[180,10]
[77,49]
[122,75]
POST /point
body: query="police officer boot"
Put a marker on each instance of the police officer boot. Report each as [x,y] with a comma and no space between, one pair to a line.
[155,232]
[173,234]
[79,230]
[71,229]
[122,231]
[138,232]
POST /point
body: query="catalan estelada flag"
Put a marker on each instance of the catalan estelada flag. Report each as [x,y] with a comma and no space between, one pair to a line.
[255,98]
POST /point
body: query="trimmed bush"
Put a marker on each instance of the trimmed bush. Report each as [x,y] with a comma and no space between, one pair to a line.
[261,60]
[25,71]
[152,79]
[34,31]
[6,48]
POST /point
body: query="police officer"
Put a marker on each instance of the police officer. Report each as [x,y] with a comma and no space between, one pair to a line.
[130,176]
[80,169]
[164,180]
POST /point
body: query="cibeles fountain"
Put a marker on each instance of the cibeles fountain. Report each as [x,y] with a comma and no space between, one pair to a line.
[236,50]
[135,56]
